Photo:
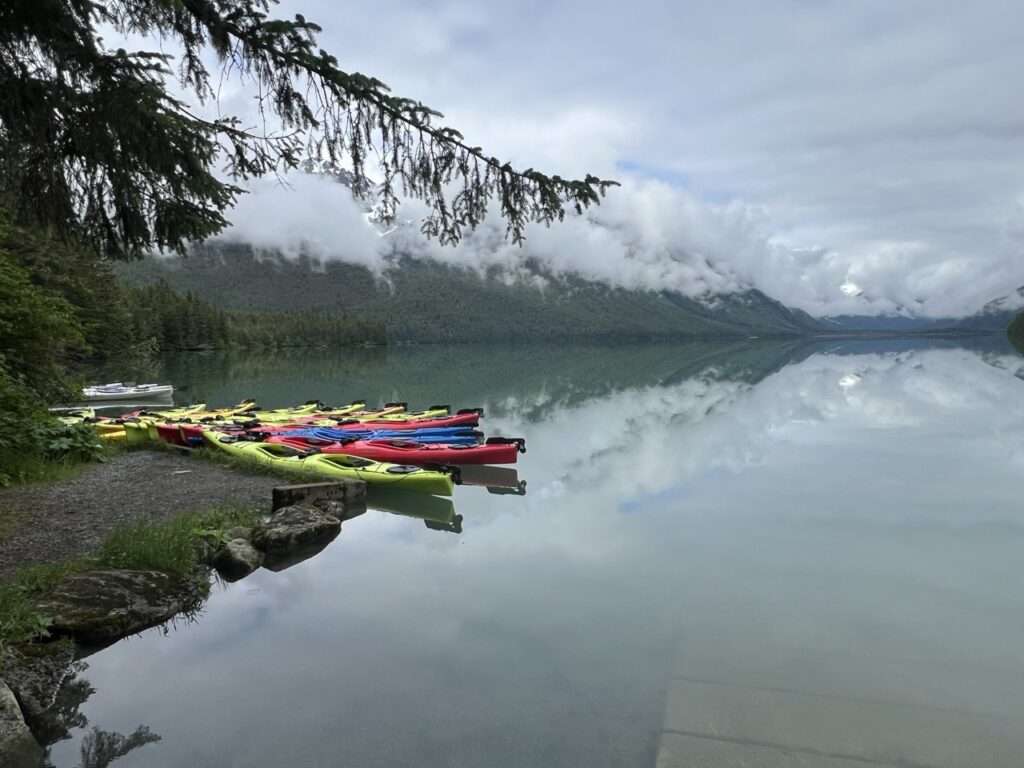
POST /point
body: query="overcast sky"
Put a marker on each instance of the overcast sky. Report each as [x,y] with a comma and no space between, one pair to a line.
[813,149]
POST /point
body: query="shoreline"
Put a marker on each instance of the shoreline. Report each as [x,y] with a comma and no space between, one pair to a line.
[52,521]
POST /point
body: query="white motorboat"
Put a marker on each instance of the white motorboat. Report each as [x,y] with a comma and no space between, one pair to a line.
[127,391]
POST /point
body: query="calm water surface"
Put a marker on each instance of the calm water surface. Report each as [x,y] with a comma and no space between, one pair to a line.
[757,555]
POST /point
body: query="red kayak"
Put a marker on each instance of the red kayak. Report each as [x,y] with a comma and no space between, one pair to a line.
[469,417]
[170,433]
[496,450]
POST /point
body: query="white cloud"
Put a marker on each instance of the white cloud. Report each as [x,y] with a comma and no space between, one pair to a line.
[803,146]
[306,214]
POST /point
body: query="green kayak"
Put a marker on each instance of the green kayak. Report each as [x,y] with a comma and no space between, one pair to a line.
[336,465]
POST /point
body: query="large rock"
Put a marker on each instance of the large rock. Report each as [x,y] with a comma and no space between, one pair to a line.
[35,673]
[293,534]
[293,527]
[237,559]
[18,748]
[101,606]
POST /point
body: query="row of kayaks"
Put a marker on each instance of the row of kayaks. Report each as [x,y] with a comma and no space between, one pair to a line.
[388,446]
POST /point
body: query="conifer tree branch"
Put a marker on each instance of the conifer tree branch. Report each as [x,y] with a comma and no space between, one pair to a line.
[93,144]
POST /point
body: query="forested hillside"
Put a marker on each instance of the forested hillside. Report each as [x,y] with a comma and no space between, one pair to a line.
[426,301]
[62,311]
[176,321]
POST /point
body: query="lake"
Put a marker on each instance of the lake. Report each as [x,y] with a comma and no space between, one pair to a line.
[748,554]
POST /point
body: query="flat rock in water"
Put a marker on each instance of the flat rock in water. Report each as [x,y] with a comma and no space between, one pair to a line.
[237,559]
[97,607]
[295,528]
[18,748]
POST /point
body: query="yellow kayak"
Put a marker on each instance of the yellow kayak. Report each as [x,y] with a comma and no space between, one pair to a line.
[345,411]
[390,412]
[138,431]
[170,413]
[200,412]
[107,427]
[335,466]
[76,417]
[428,413]
[284,415]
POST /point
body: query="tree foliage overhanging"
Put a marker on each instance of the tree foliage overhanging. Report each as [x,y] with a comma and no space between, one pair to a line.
[93,145]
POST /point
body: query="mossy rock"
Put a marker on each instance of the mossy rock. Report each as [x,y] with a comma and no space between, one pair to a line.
[294,528]
[101,606]
[36,671]
[237,559]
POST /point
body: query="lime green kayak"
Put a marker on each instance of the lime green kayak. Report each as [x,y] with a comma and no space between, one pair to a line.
[179,413]
[199,412]
[343,412]
[139,431]
[336,465]
[403,415]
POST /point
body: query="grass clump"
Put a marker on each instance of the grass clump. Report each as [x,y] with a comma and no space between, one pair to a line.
[162,547]
[172,545]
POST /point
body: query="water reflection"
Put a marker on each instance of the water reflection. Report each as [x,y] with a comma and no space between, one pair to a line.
[437,512]
[100,748]
[97,748]
[500,480]
[723,552]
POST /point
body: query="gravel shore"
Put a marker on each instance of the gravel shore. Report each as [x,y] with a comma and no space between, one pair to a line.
[70,518]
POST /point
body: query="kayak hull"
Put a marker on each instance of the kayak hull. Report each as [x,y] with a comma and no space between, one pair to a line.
[335,466]
[170,433]
[399,451]
[143,392]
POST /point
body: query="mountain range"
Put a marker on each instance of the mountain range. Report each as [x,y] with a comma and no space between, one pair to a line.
[422,300]
[995,316]
[425,301]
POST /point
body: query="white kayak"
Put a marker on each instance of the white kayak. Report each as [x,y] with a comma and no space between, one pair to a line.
[119,391]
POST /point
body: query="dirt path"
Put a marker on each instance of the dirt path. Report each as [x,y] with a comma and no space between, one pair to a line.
[69,518]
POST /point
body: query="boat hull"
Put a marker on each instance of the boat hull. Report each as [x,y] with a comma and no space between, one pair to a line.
[98,394]
[400,451]
[288,459]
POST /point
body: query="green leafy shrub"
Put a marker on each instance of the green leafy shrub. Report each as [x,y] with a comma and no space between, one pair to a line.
[33,444]
[52,315]
[20,621]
